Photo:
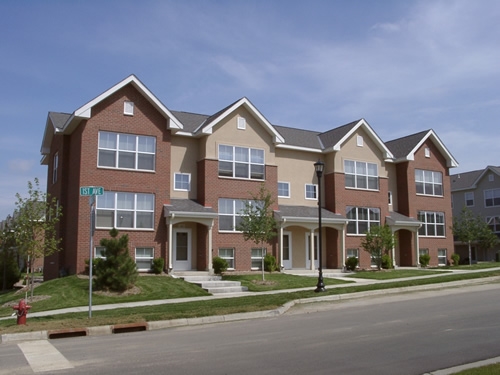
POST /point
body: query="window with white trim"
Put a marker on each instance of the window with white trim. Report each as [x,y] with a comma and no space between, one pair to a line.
[182,181]
[128,108]
[352,253]
[494,223]
[125,210]
[432,224]
[241,162]
[361,175]
[126,151]
[283,189]
[429,182]
[242,123]
[492,198]
[55,167]
[99,252]
[230,213]
[442,258]
[227,253]
[389,198]
[311,191]
[469,198]
[359,141]
[427,152]
[491,177]
[423,251]
[257,255]
[144,258]
[361,219]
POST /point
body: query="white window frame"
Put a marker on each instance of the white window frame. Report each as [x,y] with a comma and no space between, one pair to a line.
[348,253]
[135,150]
[431,182]
[98,252]
[370,219]
[442,259]
[231,208]
[491,177]
[389,197]
[256,255]
[242,123]
[469,196]
[311,189]
[353,170]
[283,184]
[120,205]
[179,181]
[493,195]
[145,258]
[427,224]
[242,162]
[494,223]
[227,253]
[55,167]
[359,141]
[427,152]
[128,108]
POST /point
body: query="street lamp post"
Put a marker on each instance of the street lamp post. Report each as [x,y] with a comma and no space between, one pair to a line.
[319,166]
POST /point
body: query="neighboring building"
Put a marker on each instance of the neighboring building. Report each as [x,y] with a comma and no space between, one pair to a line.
[479,191]
[176,181]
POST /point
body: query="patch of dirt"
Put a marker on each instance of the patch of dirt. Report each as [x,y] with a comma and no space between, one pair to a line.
[263,282]
[129,292]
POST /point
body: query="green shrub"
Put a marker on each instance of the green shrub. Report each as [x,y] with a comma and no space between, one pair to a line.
[95,263]
[220,265]
[270,263]
[158,264]
[424,260]
[386,262]
[455,258]
[351,263]
[12,274]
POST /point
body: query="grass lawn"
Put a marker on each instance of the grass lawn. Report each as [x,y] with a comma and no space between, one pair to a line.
[477,266]
[73,291]
[484,370]
[393,274]
[277,281]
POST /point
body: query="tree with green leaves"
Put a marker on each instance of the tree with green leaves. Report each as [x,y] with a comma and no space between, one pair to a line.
[257,220]
[9,269]
[117,272]
[470,228]
[379,241]
[36,217]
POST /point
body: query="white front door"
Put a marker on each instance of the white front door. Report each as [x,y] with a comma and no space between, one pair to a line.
[308,251]
[182,249]
[287,250]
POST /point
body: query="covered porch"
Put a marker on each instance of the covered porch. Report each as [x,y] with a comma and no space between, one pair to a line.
[406,231]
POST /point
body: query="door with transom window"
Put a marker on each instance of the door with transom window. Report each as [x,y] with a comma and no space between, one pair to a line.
[287,250]
[308,251]
[182,249]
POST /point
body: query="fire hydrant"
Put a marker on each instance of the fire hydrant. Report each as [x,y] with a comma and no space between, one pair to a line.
[21,311]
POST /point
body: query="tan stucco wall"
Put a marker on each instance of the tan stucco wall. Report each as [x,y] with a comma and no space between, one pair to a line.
[184,157]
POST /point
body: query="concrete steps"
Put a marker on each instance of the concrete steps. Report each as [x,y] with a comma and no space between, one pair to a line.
[214,284]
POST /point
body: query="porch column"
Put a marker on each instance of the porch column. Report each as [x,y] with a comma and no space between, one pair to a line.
[393,249]
[415,234]
[281,249]
[342,245]
[170,240]
[210,268]
[311,249]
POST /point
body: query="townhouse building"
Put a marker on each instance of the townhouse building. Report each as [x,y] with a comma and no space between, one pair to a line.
[175,182]
[479,191]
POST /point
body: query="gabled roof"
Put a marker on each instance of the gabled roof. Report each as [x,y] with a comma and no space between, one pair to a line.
[469,180]
[188,208]
[301,139]
[66,123]
[404,148]
[207,126]
[335,138]
[307,214]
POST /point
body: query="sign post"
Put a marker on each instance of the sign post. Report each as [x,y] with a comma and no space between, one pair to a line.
[91,192]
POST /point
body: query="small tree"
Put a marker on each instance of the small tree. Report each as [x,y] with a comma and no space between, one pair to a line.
[470,228]
[257,220]
[378,241]
[9,269]
[36,217]
[118,271]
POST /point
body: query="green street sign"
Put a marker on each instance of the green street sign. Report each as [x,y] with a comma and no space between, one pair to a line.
[86,191]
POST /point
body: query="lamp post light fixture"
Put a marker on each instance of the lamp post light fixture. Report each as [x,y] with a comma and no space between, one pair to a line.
[319,166]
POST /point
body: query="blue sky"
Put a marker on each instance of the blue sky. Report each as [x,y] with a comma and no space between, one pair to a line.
[404,66]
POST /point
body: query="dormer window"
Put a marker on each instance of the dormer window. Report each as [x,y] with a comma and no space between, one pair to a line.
[128,108]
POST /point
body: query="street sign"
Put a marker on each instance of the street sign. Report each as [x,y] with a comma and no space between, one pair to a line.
[86,191]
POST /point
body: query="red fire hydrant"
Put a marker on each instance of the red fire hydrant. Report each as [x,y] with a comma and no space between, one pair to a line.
[21,311]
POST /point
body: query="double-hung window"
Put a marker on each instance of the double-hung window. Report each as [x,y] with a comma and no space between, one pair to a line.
[492,198]
[361,175]
[144,258]
[432,224]
[494,224]
[429,182]
[241,162]
[55,167]
[126,151]
[311,191]
[284,189]
[227,253]
[361,219]
[257,255]
[442,258]
[469,198]
[125,210]
[230,212]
